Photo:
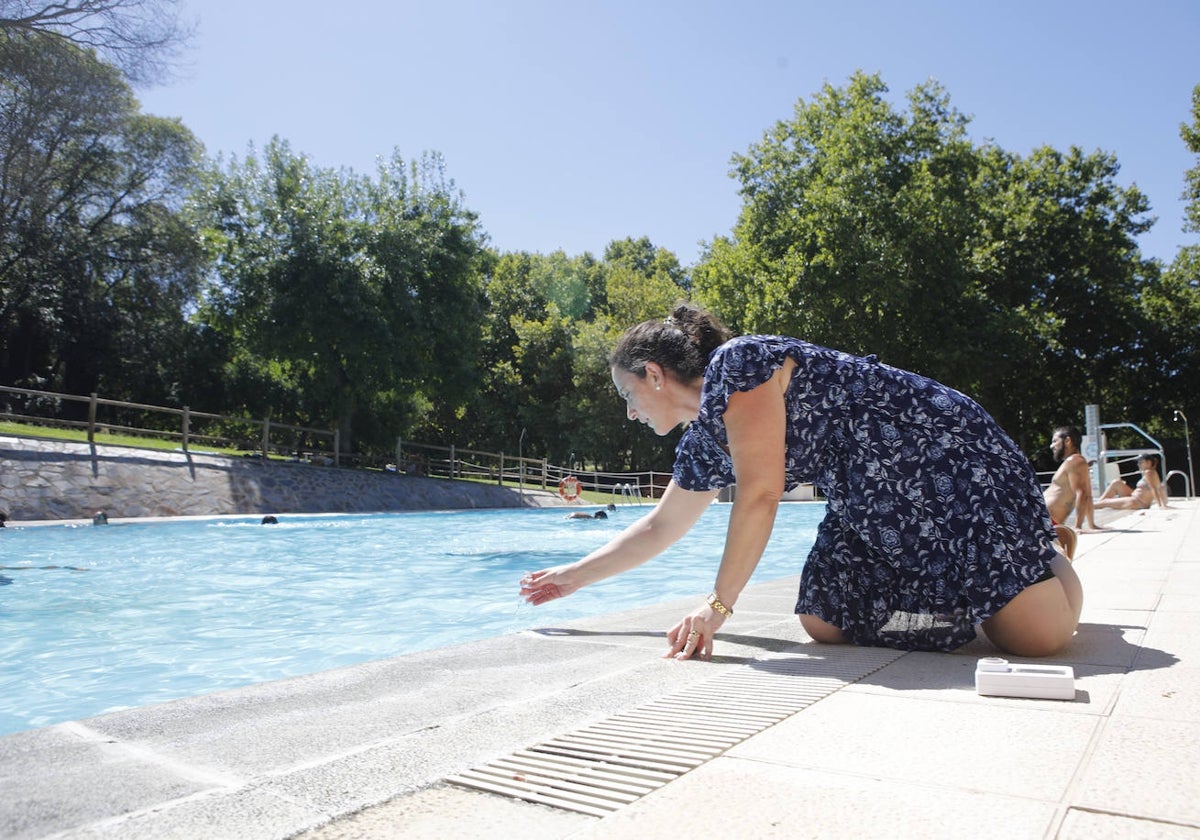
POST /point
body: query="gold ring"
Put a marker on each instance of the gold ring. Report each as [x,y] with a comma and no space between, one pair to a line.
[693,634]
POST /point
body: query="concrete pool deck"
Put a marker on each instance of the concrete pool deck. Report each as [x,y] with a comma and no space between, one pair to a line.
[906,749]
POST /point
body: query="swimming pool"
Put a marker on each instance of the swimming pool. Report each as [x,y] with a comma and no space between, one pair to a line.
[157,611]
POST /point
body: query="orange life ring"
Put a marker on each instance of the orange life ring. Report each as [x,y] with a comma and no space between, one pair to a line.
[568,488]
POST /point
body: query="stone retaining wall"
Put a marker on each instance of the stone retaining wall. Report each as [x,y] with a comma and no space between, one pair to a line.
[48,480]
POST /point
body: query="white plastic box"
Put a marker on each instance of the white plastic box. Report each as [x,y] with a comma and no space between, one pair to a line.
[999,678]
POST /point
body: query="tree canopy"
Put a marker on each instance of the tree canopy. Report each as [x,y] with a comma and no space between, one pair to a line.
[141,38]
[876,230]
[96,261]
[267,285]
[343,299]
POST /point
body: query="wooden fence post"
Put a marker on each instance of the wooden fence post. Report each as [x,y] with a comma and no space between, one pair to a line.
[92,418]
[337,447]
[500,477]
[452,460]
[186,427]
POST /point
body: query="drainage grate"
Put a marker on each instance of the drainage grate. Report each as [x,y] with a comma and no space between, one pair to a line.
[607,765]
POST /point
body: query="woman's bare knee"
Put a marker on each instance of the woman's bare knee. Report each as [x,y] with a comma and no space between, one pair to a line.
[822,631]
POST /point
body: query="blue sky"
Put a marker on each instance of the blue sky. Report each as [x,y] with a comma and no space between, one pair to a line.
[570,124]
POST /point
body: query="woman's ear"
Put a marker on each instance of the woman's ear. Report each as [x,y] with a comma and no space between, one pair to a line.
[655,377]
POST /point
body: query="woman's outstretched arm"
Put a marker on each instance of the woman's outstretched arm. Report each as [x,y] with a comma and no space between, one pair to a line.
[675,513]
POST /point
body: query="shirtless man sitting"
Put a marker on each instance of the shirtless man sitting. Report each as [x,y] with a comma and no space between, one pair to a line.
[1149,489]
[1070,489]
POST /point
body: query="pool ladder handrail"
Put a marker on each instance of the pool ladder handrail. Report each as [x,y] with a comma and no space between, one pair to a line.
[630,494]
[1187,485]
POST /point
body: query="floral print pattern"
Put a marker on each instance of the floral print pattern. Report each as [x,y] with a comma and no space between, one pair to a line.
[934,518]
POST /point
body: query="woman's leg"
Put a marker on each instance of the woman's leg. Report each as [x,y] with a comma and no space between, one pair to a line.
[822,631]
[1122,503]
[820,591]
[1041,620]
[1117,488]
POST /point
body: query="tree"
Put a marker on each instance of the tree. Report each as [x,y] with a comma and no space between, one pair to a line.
[1172,307]
[852,228]
[1190,133]
[345,300]
[534,303]
[643,282]
[1058,262]
[96,258]
[550,323]
[140,37]
[886,232]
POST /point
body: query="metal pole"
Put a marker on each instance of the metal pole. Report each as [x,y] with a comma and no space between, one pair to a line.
[1091,419]
[1187,441]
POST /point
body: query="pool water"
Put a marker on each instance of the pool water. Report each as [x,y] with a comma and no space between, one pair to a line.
[95,619]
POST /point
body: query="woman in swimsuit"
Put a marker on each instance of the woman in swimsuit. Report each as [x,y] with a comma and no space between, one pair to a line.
[935,523]
[1149,489]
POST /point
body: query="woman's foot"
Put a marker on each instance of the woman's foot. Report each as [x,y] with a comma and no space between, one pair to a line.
[1067,540]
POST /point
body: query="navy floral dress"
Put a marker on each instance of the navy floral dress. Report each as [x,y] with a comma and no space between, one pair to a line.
[934,517]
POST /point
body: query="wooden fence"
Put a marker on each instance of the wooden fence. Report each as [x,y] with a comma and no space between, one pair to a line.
[44,408]
[453,462]
[105,416]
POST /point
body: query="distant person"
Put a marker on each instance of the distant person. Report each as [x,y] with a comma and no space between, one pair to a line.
[1070,489]
[3,518]
[100,518]
[579,514]
[269,520]
[1148,490]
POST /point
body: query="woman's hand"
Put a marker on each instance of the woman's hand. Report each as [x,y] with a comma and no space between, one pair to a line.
[549,584]
[694,634]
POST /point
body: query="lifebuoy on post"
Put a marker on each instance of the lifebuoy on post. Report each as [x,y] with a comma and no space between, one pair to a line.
[568,488]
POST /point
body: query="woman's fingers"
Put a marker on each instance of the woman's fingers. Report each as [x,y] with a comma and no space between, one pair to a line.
[689,638]
[535,592]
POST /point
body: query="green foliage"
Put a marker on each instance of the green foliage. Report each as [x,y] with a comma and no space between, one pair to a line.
[96,261]
[321,297]
[879,231]
[1058,261]
[550,323]
[1171,308]
[1190,133]
[345,300]
[852,228]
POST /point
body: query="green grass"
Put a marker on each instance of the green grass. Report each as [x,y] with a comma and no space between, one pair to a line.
[586,497]
[80,436]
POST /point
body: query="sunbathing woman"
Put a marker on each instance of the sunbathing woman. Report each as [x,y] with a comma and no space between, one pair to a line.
[1149,489]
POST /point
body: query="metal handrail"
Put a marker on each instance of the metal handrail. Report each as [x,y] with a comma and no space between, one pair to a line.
[1187,485]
